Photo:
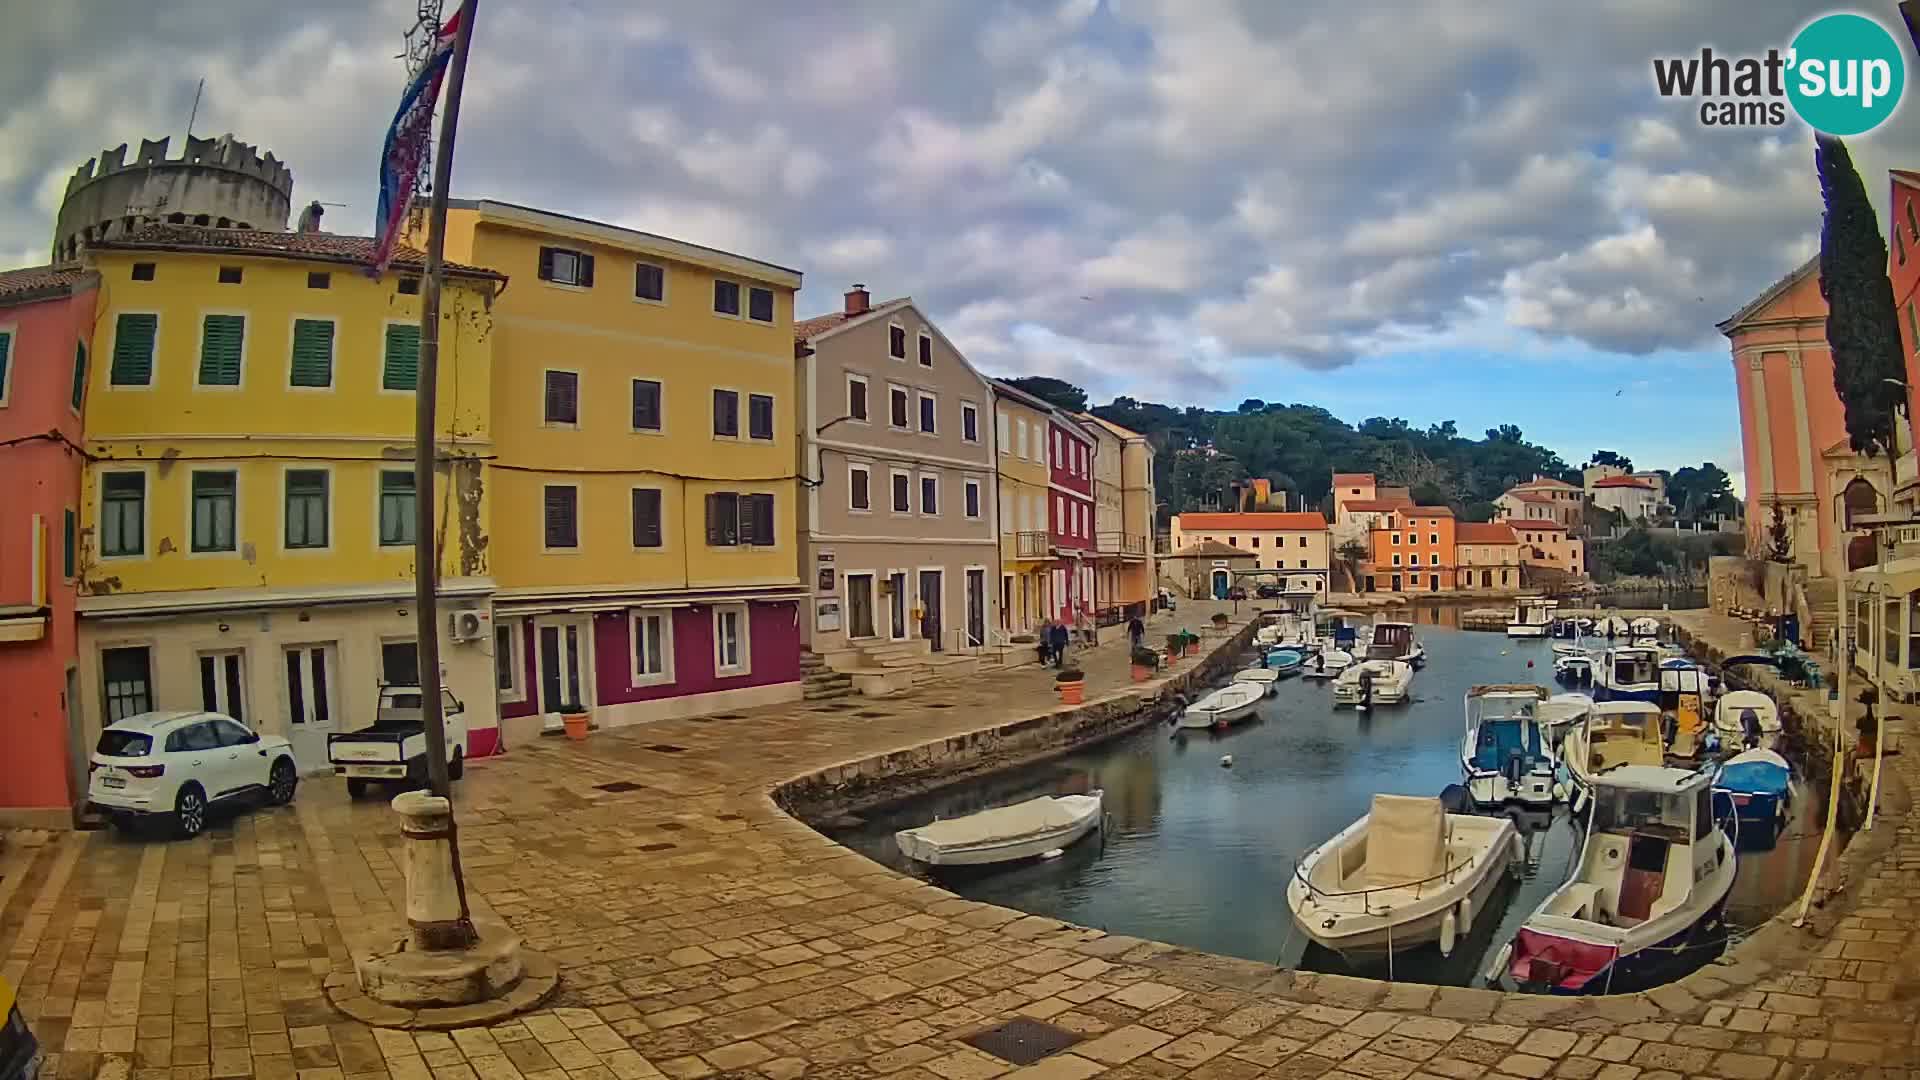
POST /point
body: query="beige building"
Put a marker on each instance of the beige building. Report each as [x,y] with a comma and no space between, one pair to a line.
[1486,555]
[1292,545]
[1549,544]
[1205,568]
[898,524]
[1544,498]
[1630,495]
[1123,506]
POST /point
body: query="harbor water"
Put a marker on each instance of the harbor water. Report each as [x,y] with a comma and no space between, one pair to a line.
[1199,855]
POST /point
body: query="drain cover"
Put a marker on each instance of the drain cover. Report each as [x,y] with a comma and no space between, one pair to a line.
[657,847]
[667,748]
[870,714]
[1022,1040]
[670,826]
[939,705]
[618,787]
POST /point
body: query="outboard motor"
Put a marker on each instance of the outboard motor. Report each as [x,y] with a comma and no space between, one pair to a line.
[1366,688]
[1750,723]
[1516,768]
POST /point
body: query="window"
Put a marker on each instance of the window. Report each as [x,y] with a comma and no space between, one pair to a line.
[1890,632]
[562,401]
[312,353]
[123,514]
[973,499]
[859,494]
[222,342]
[646,405]
[396,507]
[1256,543]
[1913,627]
[930,494]
[69,542]
[506,661]
[564,266]
[1058,457]
[1396,558]
[1303,564]
[79,375]
[726,413]
[646,518]
[143,271]
[409,286]
[317,279]
[1433,538]
[561,516]
[737,520]
[760,416]
[1395,538]
[760,305]
[970,421]
[929,410]
[649,282]
[1004,430]
[400,663]
[897,342]
[652,634]
[926,349]
[857,397]
[1303,541]
[133,339]
[400,365]
[726,298]
[6,352]
[229,275]
[214,496]
[1413,558]
[897,407]
[730,639]
[126,677]
[1913,223]
[902,494]
[306,508]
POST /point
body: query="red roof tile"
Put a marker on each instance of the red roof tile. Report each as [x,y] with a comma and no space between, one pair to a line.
[1545,483]
[1341,478]
[1427,511]
[1535,524]
[820,324]
[1373,506]
[1485,532]
[1294,522]
[1527,496]
[39,282]
[1622,482]
[315,246]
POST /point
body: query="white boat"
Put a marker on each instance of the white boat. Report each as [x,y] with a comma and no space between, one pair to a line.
[1407,874]
[1743,715]
[1568,648]
[1576,668]
[1505,754]
[1004,834]
[1532,615]
[1647,892]
[1328,663]
[1373,682]
[1395,641]
[1562,713]
[1627,673]
[1615,734]
[1265,678]
[1611,626]
[1228,705]
[1646,626]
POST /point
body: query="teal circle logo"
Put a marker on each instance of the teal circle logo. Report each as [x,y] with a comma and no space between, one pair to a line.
[1845,74]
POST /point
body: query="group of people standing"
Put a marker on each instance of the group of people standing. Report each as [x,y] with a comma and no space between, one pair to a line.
[1054,637]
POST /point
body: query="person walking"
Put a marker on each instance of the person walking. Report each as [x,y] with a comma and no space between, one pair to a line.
[1136,631]
[1060,637]
[1044,646]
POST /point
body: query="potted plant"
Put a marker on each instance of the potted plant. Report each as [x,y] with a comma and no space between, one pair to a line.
[1193,642]
[1145,660]
[1220,622]
[1072,685]
[576,719]
[1176,644]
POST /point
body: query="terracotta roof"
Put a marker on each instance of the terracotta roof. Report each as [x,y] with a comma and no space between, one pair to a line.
[1308,521]
[1536,524]
[39,282]
[312,246]
[804,329]
[1622,482]
[1427,511]
[1545,482]
[1768,295]
[1526,496]
[1485,532]
[1340,478]
[1373,506]
[1211,549]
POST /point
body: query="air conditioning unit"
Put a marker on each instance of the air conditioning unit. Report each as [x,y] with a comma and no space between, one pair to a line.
[468,625]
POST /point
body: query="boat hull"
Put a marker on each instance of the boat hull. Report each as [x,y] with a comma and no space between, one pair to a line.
[1632,692]
[1361,940]
[1197,719]
[1654,965]
[1011,850]
[1526,630]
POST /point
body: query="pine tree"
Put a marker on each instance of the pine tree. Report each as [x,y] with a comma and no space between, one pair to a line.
[1863,330]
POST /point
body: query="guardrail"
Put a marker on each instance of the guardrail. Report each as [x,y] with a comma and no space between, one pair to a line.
[1120,543]
[1032,545]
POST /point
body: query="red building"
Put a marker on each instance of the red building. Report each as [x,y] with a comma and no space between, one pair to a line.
[1070,520]
[1903,269]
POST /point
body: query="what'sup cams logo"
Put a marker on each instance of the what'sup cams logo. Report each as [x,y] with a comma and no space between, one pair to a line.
[1843,75]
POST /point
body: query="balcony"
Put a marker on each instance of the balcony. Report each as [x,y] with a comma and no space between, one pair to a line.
[1032,545]
[1127,545]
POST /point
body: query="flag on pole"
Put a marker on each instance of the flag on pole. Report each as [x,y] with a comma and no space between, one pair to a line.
[405,152]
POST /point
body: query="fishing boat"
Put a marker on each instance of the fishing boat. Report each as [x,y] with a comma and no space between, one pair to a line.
[1265,678]
[1575,669]
[1646,896]
[1560,714]
[1226,706]
[1284,661]
[1373,682]
[1759,785]
[1328,663]
[1406,874]
[1746,718]
[1627,673]
[1004,834]
[1615,734]
[1395,641]
[1646,626]
[1568,648]
[1505,754]
[1683,696]
[1532,617]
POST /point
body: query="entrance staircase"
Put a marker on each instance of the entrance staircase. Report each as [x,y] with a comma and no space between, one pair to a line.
[819,682]
[885,668]
[1821,594]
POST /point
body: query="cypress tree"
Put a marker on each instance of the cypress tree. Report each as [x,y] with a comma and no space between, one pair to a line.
[1863,330]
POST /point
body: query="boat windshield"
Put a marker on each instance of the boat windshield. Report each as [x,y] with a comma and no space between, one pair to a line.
[1628,810]
[1633,667]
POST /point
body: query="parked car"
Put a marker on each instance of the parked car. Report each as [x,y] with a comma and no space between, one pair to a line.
[1268,591]
[174,765]
[1238,592]
[19,1052]
[395,747]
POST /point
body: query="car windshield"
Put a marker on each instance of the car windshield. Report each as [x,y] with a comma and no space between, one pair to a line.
[124,743]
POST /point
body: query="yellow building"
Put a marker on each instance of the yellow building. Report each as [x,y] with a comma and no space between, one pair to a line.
[1124,494]
[1026,551]
[645,540]
[247,505]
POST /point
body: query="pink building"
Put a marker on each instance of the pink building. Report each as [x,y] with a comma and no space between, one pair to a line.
[46,325]
[1070,514]
[1903,268]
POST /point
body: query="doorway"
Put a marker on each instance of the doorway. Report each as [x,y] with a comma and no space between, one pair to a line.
[1222,582]
[564,663]
[310,671]
[931,586]
[976,607]
[897,606]
[859,605]
[223,684]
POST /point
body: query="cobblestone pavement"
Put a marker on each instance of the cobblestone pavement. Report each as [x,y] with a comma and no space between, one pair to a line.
[701,932]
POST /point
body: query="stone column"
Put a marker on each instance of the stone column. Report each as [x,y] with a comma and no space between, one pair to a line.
[433,900]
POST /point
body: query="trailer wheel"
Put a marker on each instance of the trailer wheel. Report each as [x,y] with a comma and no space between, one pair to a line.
[356,788]
[458,766]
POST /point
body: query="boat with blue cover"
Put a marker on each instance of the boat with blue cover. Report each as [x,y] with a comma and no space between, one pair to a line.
[1627,673]
[1506,754]
[1759,784]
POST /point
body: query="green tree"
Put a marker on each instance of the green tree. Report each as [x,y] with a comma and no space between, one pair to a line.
[1698,492]
[1863,330]
[1611,457]
[1057,392]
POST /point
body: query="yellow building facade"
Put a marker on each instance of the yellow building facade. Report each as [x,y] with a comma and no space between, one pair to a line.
[1022,474]
[247,501]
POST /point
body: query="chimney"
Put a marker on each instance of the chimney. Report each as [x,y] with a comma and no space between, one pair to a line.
[310,218]
[857,300]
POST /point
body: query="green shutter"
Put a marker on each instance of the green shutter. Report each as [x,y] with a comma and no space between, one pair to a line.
[133,350]
[79,375]
[68,538]
[220,340]
[6,351]
[401,370]
[312,352]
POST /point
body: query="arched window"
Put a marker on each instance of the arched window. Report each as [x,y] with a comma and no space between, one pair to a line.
[1860,498]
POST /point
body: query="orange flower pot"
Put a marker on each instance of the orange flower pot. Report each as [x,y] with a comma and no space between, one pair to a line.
[1072,693]
[576,724]
[1140,674]
[1193,648]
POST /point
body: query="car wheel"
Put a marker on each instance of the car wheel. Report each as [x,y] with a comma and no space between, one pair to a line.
[281,780]
[190,811]
[356,788]
[457,767]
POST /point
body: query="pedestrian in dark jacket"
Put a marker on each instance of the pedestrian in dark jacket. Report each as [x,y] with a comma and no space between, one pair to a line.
[1061,636]
[1136,631]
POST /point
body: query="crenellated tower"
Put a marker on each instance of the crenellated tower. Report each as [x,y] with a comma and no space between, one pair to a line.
[220,182]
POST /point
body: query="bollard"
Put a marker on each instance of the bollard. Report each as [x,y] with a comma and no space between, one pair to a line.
[433,899]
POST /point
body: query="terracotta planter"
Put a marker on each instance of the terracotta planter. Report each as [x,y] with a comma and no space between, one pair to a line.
[1140,674]
[1193,648]
[1071,693]
[576,725]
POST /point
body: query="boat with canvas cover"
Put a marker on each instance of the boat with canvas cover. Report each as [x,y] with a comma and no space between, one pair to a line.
[1505,754]
[1004,834]
[1561,714]
[1627,673]
[1759,785]
[1575,669]
[1228,705]
[1373,682]
[1746,718]
[1406,874]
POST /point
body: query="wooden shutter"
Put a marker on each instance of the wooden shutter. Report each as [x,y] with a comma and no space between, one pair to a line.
[563,397]
[743,509]
[560,518]
[400,369]
[762,519]
[79,374]
[546,264]
[713,521]
[133,350]
[646,517]
[221,337]
[586,270]
[312,352]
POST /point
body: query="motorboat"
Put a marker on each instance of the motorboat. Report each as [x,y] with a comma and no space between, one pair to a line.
[1265,678]
[1683,696]
[1574,669]
[1611,626]
[1759,785]
[1572,627]
[1328,663]
[1284,661]
[1627,673]
[1646,626]
[1646,895]
[1406,874]
[1560,714]
[1294,623]
[1395,641]
[1532,617]
[1373,682]
[1615,734]
[1568,648]
[1505,754]
[1226,706]
[1746,718]
[1004,834]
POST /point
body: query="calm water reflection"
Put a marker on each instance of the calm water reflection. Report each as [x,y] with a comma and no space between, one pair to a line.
[1200,855]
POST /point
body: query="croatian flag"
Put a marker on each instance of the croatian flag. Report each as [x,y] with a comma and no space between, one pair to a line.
[405,153]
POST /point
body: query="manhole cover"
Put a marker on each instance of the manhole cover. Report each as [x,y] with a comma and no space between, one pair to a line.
[728,716]
[939,705]
[869,714]
[1022,1040]
[667,748]
[657,847]
[670,826]
[618,786]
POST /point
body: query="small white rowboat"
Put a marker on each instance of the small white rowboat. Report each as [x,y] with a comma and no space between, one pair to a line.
[1004,834]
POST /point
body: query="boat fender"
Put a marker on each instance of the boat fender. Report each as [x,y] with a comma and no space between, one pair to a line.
[1449,929]
[1226,761]
[1519,849]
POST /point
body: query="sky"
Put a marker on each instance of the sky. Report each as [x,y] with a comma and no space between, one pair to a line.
[1476,210]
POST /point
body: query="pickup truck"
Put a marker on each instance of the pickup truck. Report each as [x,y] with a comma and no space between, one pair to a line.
[395,747]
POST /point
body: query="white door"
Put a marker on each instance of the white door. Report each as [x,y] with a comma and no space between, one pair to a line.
[223,684]
[562,651]
[310,672]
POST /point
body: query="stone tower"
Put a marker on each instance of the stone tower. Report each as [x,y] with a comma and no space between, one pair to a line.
[219,182]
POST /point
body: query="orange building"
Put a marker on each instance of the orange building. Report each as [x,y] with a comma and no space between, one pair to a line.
[1413,551]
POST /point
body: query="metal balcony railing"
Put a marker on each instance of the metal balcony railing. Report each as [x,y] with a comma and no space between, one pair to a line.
[1032,545]
[1121,543]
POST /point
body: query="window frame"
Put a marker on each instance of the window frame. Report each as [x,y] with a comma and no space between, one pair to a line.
[743,645]
[199,357]
[546,399]
[659,405]
[635,617]
[923,478]
[907,398]
[923,350]
[865,469]
[149,684]
[659,301]
[894,476]
[387,326]
[239,512]
[81,362]
[714,414]
[772,403]
[970,492]
[866,399]
[922,399]
[893,326]
[333,352]
[773,306]
[738,314]
[326,508]
[145,473]
[153,351]
[516,660]
[547,548]
[969,409]
[633,518]
[379,507]
[582,267]
[1003,432]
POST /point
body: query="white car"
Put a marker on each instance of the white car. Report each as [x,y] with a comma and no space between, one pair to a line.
[175,764]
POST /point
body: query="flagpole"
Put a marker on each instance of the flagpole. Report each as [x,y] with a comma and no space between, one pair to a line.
[426,561]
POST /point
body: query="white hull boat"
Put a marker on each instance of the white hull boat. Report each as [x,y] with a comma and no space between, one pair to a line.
[1407,874]
[1741,715]
[1614,733]
[1568,648]
[1577,668]
[1328,663]
[1563,713]
[1395,641]
[1506,755]
[1377,682]
[1532,618]
[1004,834]
[1266,679]
[1230,704]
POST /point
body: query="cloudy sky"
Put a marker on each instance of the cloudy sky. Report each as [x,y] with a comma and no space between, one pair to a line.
[1453,209]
